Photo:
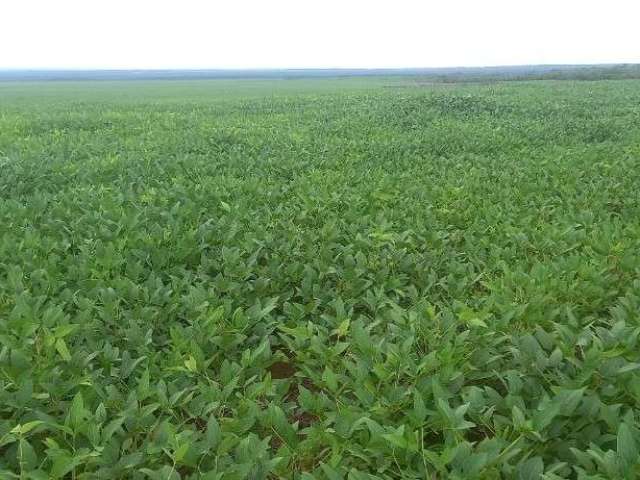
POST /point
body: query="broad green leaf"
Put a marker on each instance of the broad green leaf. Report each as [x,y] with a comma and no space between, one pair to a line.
[627,448]
[62,349]
[531,469]
[26,428]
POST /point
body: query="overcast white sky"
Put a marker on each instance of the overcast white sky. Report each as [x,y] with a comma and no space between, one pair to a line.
[314,33]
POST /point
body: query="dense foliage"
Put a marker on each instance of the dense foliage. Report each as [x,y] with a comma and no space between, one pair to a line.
[349,279]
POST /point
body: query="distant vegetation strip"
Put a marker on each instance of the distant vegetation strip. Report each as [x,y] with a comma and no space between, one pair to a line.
[457,74]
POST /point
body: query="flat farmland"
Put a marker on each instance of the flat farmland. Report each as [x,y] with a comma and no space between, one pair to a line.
[362,278]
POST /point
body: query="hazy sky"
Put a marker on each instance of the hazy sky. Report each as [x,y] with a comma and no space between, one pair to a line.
[314,33]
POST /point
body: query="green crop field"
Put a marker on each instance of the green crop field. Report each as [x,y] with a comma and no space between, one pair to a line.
[354,279]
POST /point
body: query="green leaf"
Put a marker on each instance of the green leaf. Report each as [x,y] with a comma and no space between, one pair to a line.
[397,438]
[213,434]
[519,419]
[330,379]
[77,412]
[629,367]
[62,349]
[26,428]
[627,449]
[111,428]
[343,328]
[569,400]
[64,330]
[531,469]
[163,473]
[63,465]
[28,457]
[477,322]
[545,414]
[180,452]
[419,408]
[330,472]
[190,363]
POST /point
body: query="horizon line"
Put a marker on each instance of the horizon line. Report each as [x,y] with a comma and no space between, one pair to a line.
[266,69]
